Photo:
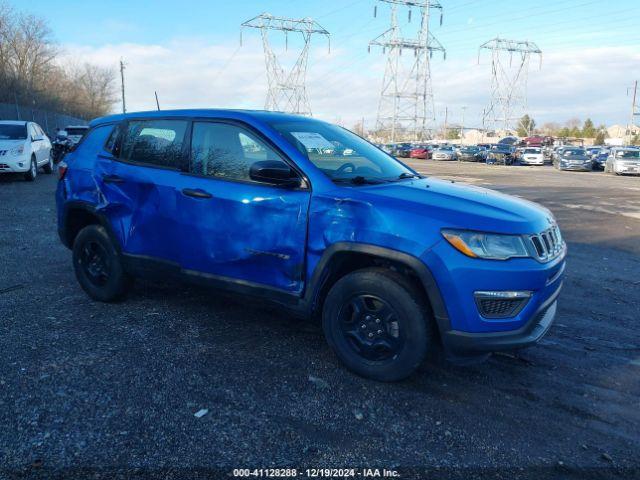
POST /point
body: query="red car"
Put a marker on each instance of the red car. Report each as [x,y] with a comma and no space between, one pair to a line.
[423,152]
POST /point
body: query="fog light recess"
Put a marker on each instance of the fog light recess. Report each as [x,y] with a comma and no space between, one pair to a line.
[501,304]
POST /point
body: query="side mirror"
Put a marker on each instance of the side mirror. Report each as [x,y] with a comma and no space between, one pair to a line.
[275,172]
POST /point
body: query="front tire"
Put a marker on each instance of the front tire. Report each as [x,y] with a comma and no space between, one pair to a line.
[98,266]
[378,324]
[31,175]
[48,168]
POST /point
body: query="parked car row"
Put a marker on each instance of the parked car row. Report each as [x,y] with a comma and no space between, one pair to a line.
[619,160]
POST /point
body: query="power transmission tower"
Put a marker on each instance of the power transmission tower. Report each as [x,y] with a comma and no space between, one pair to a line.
[406,108]
[509,76]
[287,89]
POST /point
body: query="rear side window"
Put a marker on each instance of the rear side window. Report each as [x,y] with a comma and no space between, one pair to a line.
[154,142]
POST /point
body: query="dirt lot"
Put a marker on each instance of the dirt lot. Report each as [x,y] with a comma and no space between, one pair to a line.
[114,388]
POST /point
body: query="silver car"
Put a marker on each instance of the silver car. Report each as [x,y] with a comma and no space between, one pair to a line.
[444,152]
[623,161]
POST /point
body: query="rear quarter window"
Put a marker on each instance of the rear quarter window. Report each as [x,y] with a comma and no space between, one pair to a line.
[91,145]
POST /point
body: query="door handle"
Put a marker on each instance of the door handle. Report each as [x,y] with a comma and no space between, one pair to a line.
[112,179]
[189,192]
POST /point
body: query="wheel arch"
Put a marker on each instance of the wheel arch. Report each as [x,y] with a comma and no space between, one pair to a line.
[344,257]
[76,216]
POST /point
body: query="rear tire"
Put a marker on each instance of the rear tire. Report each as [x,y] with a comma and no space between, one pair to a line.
[31,175]
[98,265]
[378,324]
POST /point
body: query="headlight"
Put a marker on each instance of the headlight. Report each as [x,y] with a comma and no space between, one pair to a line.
[491,246]
[18,150]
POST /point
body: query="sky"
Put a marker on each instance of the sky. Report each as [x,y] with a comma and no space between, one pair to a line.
[190,53]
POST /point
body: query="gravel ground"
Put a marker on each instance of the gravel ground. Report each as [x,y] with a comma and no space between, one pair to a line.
[90,389]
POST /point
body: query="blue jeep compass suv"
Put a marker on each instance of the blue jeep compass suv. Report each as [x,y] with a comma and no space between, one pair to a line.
[313,217]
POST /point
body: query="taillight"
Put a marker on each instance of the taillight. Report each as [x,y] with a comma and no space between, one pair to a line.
[62,170]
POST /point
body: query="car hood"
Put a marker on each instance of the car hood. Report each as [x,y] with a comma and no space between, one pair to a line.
[457,205]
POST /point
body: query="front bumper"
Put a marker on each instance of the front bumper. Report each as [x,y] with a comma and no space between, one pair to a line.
[626,169]
[468,344]
[580,167]
[466,331]
[14,164]
[531,161]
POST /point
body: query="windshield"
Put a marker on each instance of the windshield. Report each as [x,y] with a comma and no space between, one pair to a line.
[628,154]
[470,150]
[340,154]
[574,152]
[13,132]
[532,150]
[446,148]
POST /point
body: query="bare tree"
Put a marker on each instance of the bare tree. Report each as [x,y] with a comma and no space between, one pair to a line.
[31,74]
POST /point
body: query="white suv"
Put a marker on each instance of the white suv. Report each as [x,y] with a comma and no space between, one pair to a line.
[24,148]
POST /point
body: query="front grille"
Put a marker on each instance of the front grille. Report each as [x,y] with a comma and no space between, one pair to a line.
[4,166]
[548,244]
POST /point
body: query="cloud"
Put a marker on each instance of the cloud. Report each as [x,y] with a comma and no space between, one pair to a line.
[344,85]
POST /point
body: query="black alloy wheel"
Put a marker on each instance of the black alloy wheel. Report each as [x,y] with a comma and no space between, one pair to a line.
[370,326]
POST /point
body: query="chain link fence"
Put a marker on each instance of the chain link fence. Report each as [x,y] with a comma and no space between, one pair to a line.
[49,121]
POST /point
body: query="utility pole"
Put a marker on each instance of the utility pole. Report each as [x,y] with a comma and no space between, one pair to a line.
[122,66]
[462,124]
[406,108]
[446,122]
[634,111]
[508,80]
[287,89]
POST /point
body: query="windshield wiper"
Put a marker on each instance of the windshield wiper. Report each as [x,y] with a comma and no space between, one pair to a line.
[359,180]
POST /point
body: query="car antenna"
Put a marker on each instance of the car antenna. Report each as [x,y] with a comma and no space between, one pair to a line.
[157,102]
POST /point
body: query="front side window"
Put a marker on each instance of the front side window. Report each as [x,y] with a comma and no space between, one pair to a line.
[226,151]
[340,154]
[154,142]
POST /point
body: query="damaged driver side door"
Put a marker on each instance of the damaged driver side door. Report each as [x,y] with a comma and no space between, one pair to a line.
[235,221]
